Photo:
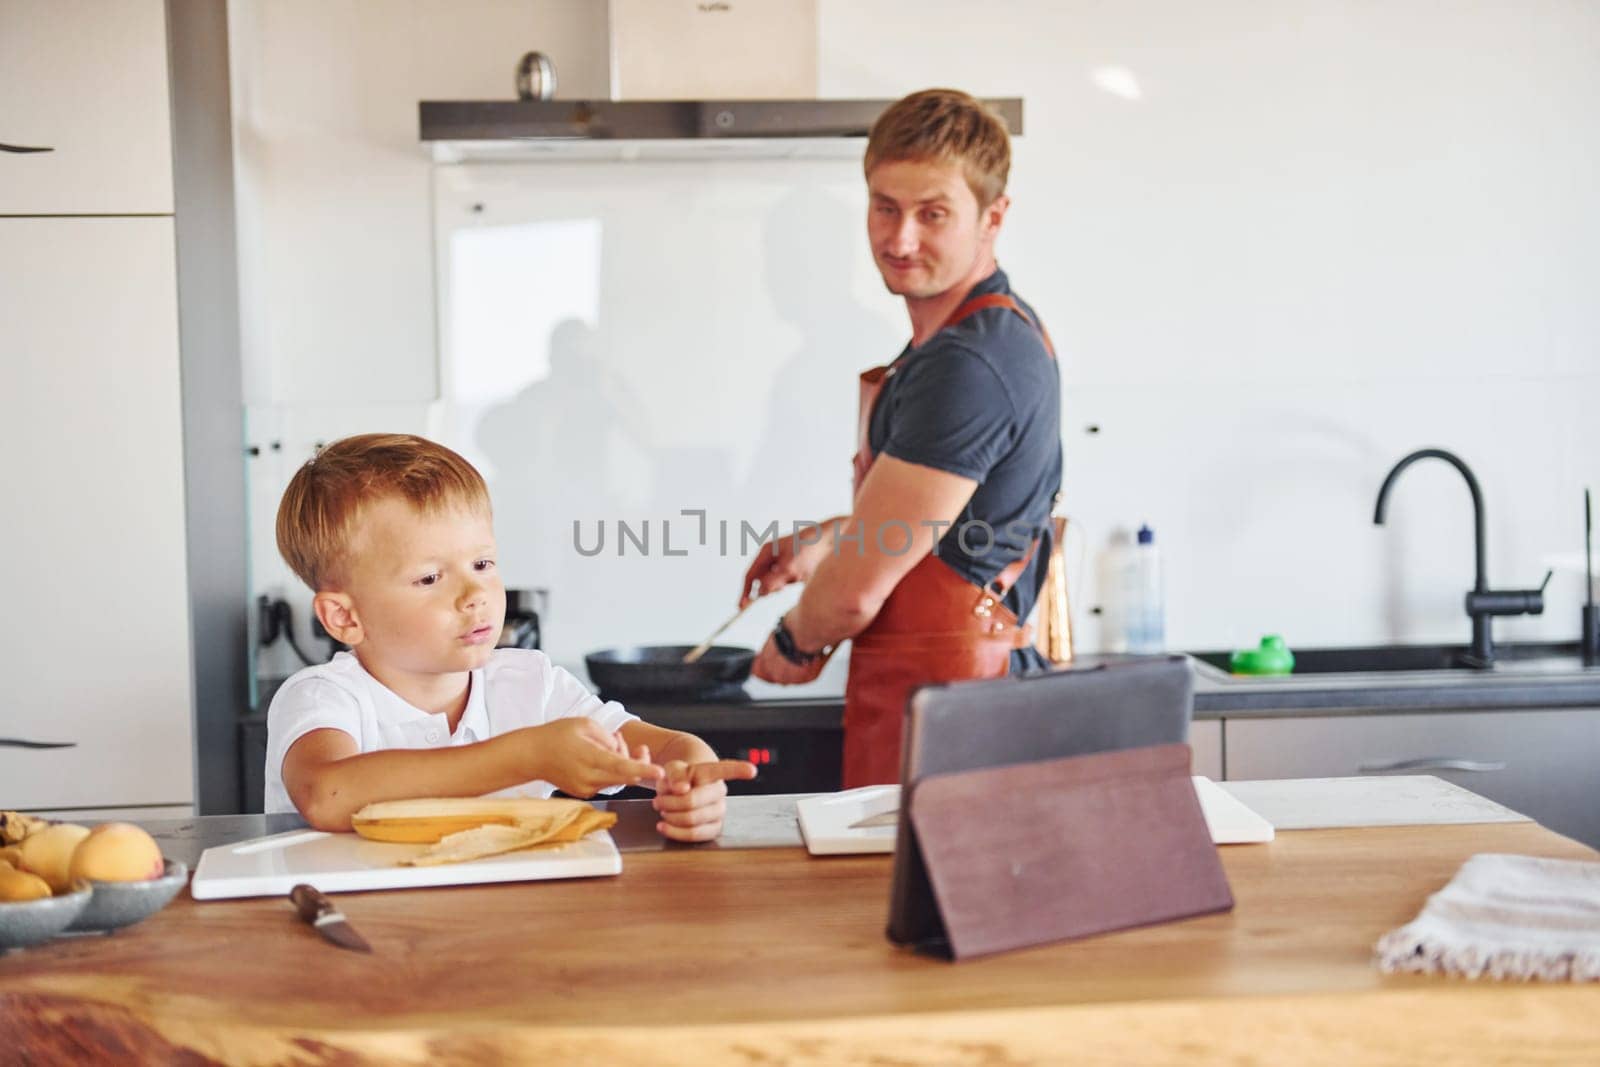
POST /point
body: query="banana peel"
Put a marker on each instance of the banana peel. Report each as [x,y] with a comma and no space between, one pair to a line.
[426,821]
[466,828]
[497,839]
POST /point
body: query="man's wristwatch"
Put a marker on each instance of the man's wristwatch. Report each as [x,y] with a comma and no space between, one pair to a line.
[788,649]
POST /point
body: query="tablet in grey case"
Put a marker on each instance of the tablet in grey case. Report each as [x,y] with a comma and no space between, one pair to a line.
[970,725]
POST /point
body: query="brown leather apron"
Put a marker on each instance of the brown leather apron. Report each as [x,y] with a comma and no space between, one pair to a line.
[935,627]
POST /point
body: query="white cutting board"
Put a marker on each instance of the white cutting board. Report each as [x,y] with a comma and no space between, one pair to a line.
[825,819]
[334,863]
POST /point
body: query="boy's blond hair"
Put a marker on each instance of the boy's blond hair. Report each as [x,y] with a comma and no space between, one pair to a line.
[945,126]
[322,506]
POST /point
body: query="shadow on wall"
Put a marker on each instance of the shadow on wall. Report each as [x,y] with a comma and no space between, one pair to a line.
[584,443]
[555,445]
[813,242]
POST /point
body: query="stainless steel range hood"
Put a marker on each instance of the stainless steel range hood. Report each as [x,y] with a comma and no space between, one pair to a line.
[459,130]
[687,78]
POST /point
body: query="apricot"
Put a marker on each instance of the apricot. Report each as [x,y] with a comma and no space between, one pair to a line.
[12,855]
[48,853]
[18,885]
[116,852]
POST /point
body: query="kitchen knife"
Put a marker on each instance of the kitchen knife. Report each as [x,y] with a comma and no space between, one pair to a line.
[326,919]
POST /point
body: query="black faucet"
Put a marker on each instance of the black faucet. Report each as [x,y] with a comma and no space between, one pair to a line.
[1482,602]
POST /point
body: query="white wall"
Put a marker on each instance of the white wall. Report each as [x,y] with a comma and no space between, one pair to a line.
[664,335]
[334,212]
[1279,245]
[1320,235]
[334,188]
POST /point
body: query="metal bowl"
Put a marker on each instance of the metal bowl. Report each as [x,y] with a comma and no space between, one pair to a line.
[114,905]
[28,922]
[659,670]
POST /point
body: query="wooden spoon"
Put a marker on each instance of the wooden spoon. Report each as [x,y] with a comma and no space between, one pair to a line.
[699,650]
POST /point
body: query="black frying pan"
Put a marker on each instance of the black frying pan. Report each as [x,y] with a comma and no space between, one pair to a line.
[659,670]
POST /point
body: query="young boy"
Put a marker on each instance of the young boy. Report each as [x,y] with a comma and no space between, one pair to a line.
[394,535]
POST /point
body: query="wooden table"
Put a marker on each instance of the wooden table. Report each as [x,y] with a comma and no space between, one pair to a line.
[776,957]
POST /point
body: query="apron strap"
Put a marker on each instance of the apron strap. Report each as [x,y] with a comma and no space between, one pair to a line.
[999,300]
[1008,577]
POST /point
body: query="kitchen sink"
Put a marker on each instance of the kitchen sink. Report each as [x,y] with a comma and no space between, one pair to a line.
[1509,657]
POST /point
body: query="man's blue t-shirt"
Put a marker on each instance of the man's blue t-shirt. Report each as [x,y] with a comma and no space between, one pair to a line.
[982,399]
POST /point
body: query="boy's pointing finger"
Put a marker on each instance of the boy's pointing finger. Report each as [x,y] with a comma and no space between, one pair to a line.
[722,770]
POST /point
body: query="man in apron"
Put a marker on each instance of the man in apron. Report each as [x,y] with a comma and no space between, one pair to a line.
[958,457]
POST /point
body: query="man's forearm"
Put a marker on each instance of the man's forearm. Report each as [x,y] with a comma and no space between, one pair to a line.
[830,610]
[340,788]
[824,533]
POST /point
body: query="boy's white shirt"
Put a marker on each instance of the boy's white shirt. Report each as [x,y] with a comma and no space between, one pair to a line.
[516,688]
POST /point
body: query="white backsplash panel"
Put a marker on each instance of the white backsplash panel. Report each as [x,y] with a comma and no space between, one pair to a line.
[633,344]
[671,338]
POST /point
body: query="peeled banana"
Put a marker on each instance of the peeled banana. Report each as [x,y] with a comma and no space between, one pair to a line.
[428,821]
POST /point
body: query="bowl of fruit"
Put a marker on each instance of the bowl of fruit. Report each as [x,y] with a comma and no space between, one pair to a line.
[58,877]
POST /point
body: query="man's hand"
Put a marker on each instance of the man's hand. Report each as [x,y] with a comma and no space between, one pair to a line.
[691,798]
[787,560]
[771,666]
[580,757]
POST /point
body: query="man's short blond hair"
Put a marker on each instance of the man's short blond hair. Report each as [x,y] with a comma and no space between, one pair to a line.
[945,126]
[321,509]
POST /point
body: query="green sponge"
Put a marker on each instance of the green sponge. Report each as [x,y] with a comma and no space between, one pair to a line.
[1272,657]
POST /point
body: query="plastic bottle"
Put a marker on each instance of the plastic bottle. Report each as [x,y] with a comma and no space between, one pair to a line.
[1135,609]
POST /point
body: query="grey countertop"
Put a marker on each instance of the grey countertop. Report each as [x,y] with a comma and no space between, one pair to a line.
[752,822]
[770,821]
[1554,681]
[1542,676]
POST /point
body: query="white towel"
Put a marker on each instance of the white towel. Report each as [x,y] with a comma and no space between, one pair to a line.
[1502,916]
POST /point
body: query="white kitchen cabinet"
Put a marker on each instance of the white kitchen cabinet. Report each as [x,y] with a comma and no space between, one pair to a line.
[96,630]
[1542,763]
[1205,739]
[87,79]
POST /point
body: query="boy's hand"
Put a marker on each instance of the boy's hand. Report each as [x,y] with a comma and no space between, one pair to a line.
[580,757]
[691,796]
